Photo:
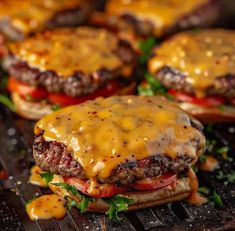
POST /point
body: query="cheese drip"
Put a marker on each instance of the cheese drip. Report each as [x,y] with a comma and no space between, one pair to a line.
[46,207]
[201,56]
[161,13]
[30,16]
[69,50]
[105,133]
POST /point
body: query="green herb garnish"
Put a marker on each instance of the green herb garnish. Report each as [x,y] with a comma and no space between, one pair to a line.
[146,48]
[227,178]
[47,176]
[153,87]
[117,204]
[85,200]
[202,159]
[216,200]
[73,190]
[55,107]
[7,102]
[194,168]
[83,204]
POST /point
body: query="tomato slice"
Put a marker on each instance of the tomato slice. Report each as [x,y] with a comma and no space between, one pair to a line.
[64,100]
[233,101]
[26,90]
[100,190]
[155,183]
[207,101]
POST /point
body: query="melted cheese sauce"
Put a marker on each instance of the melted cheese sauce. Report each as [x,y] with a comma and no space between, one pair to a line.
[69,50]
[194,198]
[201,56]
[30,16]
[46,207]
[161,13]
[104,133]
[35,177]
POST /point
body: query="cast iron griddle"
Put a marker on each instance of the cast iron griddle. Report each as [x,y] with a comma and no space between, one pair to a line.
[16,137]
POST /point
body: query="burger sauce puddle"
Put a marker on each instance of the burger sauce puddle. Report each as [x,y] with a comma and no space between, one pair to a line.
[46,207]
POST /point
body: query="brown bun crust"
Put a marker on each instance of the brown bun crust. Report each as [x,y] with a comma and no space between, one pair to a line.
[36,110]
[209,114]
[141,199]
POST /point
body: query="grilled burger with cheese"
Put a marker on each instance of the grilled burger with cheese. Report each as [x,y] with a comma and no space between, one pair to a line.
[18,19]
[159,18]
[198,70]
[67,66]
[139,148]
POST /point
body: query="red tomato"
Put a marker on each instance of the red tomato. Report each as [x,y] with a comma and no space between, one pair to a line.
[155,183]
[101,190]
[207,101]
[64,100]
[24,89]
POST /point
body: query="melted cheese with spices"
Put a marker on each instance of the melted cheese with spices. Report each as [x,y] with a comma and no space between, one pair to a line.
[35,177]
[69,50]
[161,13]
[201,56]
[105,133]
[46,207]
[29,16]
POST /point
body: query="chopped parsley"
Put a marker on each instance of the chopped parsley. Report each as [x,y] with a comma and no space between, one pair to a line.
[117,204]
[47,176]
[202,159]
[153,87]
[216,200]
[55,107]
[146,48]
[227,178]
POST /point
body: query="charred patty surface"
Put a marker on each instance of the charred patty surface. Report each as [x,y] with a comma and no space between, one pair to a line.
[76,72]
[54,157]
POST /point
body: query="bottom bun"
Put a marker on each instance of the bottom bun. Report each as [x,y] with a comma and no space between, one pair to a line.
[36,110]
[30,110]
[141,199]
[210,114]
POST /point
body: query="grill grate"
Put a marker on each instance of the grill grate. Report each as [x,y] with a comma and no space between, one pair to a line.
[15,157]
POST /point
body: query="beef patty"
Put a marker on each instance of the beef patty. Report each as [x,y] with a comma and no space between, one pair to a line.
[173,79]
[203,16]
[79,82]
[54,157]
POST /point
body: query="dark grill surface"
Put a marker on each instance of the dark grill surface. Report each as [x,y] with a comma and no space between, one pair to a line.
[16,138]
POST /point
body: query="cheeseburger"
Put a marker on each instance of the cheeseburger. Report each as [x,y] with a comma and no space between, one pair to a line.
[197,69]
[67,66]
[123,149]
[19,19]
[159,18]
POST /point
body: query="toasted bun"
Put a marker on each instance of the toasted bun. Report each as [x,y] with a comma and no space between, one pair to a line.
[36,110]
[210,114]
[30,110]
[141,199]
